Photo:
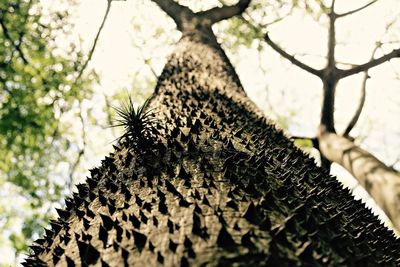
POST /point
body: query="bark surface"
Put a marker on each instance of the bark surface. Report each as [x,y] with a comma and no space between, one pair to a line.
[380,181]
[217,185]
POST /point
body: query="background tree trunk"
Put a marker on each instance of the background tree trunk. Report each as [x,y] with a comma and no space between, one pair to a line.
[383,182]
[216,185]
[380,181]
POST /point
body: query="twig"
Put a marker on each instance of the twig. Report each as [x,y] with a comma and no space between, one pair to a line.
[333,7]
[81,151]
[291,58]
[359,109]
[331,38]
[361,103]
[372,63]
[355,10]
[259,26]
[94,42]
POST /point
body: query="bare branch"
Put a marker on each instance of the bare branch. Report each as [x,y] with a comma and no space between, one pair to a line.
[333,7]
[359,109]
[292,58]
[95,41]
[355,10]
[276,20]
[81,152]
[331,39]
[217,14]
[372,63]
[257,27]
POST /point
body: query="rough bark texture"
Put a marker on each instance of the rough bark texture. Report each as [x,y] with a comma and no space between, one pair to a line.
[218,185]
[380,181]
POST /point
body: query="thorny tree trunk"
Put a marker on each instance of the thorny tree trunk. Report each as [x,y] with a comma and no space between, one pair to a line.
[218,186]
[327,123]
[380,181]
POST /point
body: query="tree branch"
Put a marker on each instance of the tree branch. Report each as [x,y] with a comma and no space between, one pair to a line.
[355,10]
[95,41]
[217,14]
[333,7]
[372,63]
[331,38]
[292,58]
[331,45]
[359,109]
[81,152]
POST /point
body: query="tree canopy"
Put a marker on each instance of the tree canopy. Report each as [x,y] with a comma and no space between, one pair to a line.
[37,86]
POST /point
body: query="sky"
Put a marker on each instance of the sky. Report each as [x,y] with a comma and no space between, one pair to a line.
[137,31]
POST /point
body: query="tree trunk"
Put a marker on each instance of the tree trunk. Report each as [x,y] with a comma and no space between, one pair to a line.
[327,122]
[380,181]
[216,185]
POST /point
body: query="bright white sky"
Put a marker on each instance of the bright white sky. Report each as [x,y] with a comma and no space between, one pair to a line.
[282,90]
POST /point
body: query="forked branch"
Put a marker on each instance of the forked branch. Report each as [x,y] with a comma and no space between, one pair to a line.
[291,58]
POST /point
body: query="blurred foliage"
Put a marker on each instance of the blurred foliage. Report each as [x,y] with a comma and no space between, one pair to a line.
[303,143]
[37,86]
